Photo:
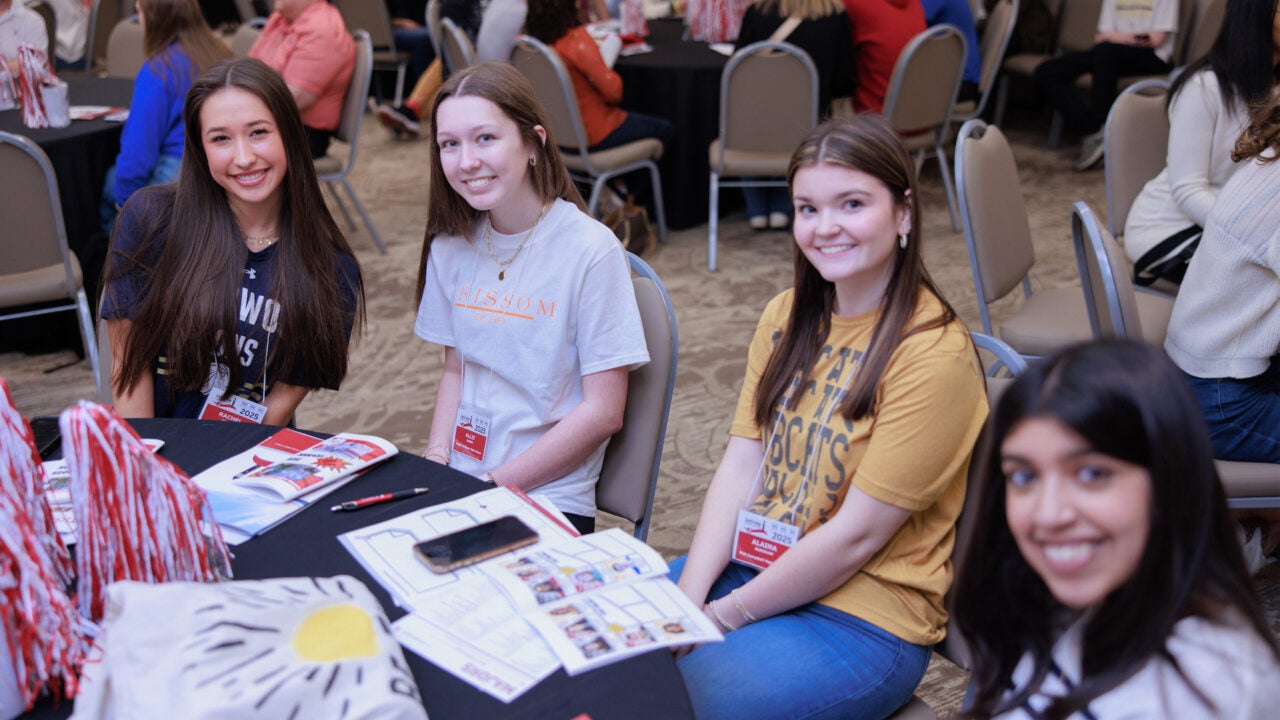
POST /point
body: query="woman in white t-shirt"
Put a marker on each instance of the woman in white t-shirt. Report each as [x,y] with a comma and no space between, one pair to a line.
[529,295]
[1208,109]
[1100,576]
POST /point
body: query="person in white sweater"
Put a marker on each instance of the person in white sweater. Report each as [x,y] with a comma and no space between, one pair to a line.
[1208,109]
[1099,576]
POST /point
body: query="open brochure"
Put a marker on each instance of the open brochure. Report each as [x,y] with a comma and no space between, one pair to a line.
[579,603]
[243,511]
[333,459]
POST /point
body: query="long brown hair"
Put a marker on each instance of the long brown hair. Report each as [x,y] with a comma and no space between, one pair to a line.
[867,143]
[180,21]
[448,212]
[189,311]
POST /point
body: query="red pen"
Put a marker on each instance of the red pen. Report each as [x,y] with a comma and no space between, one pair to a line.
[377,499]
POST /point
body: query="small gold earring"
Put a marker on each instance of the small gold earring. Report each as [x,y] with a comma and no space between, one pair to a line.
[902,240]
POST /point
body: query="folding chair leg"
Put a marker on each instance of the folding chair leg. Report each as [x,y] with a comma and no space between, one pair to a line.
[597,188]
[341,205]
[947,185]
[713,220]
[400,84]
[364,216]
[1002,101]
[656,180]
[88,338]
[1055,131]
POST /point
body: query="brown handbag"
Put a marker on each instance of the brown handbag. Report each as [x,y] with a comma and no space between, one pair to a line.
[630,222]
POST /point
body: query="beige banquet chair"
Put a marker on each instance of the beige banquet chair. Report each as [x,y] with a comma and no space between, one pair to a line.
[38,267]
[456,48]
[103,16]
[45,11]
[629,474]
[244,38]
[373,17]
[1135,146]
[334,171]
[1112,311]
[768,104]
[991,49]
[922,92]
[1001,254]
[1076,22]
[551,83]
[433,26]
[125,53]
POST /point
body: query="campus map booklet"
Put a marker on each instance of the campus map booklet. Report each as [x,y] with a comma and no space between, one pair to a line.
[255,490]
[507,623]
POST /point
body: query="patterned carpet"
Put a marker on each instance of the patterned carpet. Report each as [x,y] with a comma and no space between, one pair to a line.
[390,388]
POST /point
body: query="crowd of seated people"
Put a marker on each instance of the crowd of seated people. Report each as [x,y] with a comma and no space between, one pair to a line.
[1101,572]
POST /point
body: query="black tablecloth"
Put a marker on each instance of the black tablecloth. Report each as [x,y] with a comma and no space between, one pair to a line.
[80,154]
[644,687]
[679,81]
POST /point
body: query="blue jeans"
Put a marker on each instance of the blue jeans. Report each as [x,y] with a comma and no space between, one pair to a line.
[416,42]
[764,200]
[166,170]
[1243,415]
[637,126]
[811,662]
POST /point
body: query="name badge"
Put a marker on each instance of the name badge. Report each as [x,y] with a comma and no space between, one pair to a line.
[238,409]
[758,541]
[471,433]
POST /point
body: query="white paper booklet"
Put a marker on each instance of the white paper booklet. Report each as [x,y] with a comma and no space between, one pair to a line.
[242,511]
[333,459]
[386,549]
[57,492]
[581,603]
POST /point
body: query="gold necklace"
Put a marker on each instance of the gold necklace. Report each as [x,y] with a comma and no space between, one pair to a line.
[504,264]
[264,241]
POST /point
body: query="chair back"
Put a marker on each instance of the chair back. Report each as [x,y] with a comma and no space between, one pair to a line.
[103,16]
[348,130]
[926,80]
[1077,24]
[1006,358]
[768,99]
[992,46]
[1106,277]
[1208,22]
[244,38]
[458,52]
[996,229]
[370,16]
[45,11]
[244,8]
[125,53]
[629,475]
[34,236]
[550,80]
[1136,143]
[433,26]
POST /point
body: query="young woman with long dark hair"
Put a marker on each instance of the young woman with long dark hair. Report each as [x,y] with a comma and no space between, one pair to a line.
[231,292]
[1100,575]
[838,492]
[1208,109]
[529,295]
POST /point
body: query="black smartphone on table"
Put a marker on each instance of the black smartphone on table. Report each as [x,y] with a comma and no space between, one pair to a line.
[469,546]
[48,436]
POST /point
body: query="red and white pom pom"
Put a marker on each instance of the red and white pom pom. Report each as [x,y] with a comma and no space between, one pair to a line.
[633,22]
[139,517]
[33,72]
[37,619]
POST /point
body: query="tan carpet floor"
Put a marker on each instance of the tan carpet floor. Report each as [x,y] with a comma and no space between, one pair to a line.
[390,388]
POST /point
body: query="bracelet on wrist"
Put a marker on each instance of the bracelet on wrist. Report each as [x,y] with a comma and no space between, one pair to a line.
[438,446]
[742,609]
[715,613]
[440,457]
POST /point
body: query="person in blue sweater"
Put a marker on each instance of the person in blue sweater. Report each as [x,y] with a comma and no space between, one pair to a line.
[178,46]
[958,13]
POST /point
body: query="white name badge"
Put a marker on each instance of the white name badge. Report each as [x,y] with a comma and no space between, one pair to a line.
[471,433]
[758,541]
[238,409]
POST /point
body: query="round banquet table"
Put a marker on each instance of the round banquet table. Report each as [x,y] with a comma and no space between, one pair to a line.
[680,81]
[80,154]
[643,687]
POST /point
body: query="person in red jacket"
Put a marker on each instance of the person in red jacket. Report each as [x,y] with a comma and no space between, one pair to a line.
[881,29]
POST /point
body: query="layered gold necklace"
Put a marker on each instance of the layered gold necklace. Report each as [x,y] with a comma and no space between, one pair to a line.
[488,241]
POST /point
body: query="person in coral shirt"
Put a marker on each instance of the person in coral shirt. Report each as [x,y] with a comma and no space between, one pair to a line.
[307,42]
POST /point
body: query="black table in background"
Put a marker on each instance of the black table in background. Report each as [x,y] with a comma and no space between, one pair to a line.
[641,688]
[80,154]
[679,81]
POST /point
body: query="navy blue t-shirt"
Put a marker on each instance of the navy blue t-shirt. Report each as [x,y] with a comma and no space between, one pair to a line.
[258,314]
